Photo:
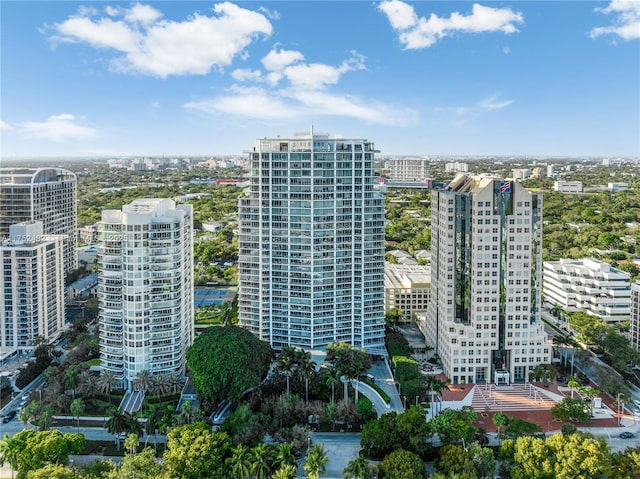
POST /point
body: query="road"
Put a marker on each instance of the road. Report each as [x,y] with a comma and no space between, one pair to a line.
[341,448]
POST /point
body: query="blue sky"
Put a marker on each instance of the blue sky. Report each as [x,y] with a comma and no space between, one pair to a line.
[416,78]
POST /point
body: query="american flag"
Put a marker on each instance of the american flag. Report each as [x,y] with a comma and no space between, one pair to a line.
[505,186]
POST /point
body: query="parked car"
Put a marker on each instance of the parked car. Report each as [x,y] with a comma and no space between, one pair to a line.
[10,415]
[626,435]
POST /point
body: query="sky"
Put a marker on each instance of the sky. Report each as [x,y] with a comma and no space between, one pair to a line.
[425,78]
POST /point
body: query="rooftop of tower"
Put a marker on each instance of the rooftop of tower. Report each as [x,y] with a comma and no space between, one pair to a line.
[466,183]
[21,175]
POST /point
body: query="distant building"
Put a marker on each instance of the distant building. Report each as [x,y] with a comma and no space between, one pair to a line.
[403,257]
[457,166]
[616,187]
[44,194]
[88,234]
[411,170]
[521,173]
[568,186]
[588,285]
[212,226]
[32,296]
[634,313]
[551,171]
[407,288]
[83,288]
[145,290]
[484,315]
[311,244]
[538,172]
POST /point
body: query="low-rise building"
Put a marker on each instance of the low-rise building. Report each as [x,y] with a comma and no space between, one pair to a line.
[588,285]
[88,234]
[568,186]
[407,288]
[616,187]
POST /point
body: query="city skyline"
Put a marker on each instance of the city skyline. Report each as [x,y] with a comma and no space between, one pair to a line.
[421,78]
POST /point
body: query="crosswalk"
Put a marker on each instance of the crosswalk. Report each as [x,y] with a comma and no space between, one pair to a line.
[514,397]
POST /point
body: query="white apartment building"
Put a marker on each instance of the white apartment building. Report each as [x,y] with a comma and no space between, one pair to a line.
[311,244]
[521,173]
[45,194]
[457,166]
[32,295]
[409,169]
[634,329]
[407,288]
[484,319]
[569,187]
[145,288]
[588,285]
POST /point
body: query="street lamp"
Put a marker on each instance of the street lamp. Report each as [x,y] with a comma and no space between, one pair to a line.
[620,409]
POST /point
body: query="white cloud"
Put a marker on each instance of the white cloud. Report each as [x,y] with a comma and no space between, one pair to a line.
[246,74]
[627,20]
[5,126]
[277,60]
[152,46]
[461,116]
[57,128]
[295,104]
[142,13]
[493,103]
[419,32]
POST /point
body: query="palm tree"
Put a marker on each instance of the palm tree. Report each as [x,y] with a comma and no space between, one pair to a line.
[287,363]
[500,420]
[239,464]
[143,381]
[261,456]
[87,384]
[131,443]
[105,383]
[118,423]
[24,415]
[77,407]
[161,384]
[437,385]
[286,471]
[9,451]
[152,416]
[572,383]
[358,468]
[306,368]
[333,378]
[175,382]
[316,462]
[70,380]
[284,454]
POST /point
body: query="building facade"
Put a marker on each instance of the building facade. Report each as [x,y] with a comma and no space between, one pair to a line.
[145,288]
[414,170]
[32,296]
[43,194]
[407,288]
[483,319]
[311,244]
[568,187]
[634,328]
[590,286]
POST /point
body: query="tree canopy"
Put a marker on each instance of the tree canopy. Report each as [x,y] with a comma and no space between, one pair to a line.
[226,361]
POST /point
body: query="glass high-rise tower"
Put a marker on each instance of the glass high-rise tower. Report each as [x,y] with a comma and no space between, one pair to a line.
[486,249]
[311,244]
[41,194]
